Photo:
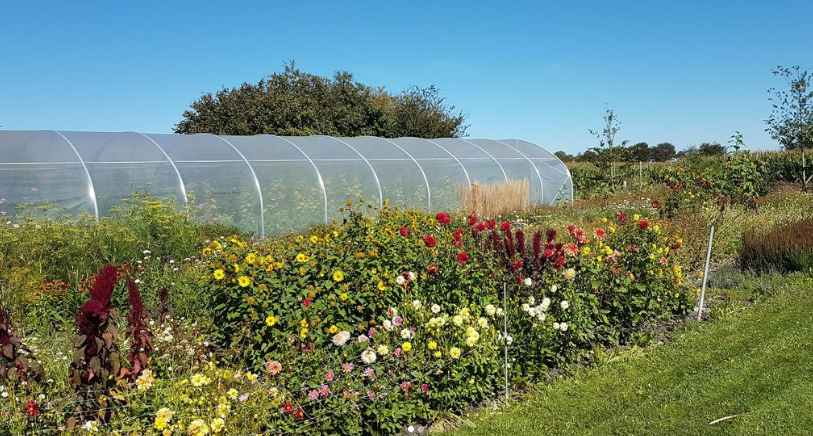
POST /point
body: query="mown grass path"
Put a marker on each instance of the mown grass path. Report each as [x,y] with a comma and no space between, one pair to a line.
[758,361]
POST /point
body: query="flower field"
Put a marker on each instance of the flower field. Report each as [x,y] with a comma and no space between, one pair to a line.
[392,318]
[148,323]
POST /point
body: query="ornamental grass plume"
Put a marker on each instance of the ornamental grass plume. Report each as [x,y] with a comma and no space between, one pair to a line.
[17,362]
[97,360]
[139,333]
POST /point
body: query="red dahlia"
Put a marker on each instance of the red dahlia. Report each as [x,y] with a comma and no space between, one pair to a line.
[463,257]
[643,224]
[443,218]
[505,226]
[430,241]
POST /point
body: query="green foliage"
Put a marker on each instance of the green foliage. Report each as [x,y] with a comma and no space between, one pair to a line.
[295,103]
[785,249]
[17,362]
[791,120]
[713,185]
[44,261]
[662,152]
[702,366]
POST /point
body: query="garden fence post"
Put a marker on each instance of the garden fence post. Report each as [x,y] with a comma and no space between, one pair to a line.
[505,333]
[705,275]
[640,175]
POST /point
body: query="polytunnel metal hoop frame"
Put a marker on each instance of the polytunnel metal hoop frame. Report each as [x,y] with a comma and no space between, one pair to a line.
[565,172]
[538,175]
[171,162]
[425,180]
[316,168]
[256,183]
[87,173]
[463,167]
[375,176]
[489,155]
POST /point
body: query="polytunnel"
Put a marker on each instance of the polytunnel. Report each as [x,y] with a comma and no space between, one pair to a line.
[264,183]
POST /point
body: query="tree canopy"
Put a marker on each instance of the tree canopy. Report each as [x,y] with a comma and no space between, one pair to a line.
[296,103]
[791,120]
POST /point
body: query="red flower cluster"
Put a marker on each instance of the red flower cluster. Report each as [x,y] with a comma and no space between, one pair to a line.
[433,269]
[403,231]
[307,302]
[622,217]
[505,226]
[644,224]
[430,241]
[463,257]
[443,218]
[656,204]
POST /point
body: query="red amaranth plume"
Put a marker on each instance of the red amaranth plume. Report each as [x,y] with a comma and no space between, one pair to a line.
[139,333]
[102,289]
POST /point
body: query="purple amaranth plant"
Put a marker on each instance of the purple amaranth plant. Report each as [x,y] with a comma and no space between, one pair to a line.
[139,333]
[97,361]
[17,362]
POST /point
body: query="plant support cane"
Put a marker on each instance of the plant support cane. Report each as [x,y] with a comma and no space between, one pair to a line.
[505,335]
[705,276]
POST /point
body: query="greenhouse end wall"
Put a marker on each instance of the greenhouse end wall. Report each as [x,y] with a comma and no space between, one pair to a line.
[266,184]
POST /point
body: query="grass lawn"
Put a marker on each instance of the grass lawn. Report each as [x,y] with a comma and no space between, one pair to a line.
[756,361]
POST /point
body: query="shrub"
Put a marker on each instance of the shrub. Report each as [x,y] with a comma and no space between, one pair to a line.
[784,249]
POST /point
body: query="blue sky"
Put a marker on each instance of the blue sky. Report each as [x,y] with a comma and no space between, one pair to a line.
[679,71]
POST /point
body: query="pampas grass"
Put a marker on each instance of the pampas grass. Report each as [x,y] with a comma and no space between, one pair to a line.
[496,198]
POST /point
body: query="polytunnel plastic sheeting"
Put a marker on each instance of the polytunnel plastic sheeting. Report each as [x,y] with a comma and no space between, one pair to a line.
[293,191]
[266,184]
[41,172]
[346,173]
[120,164]
[401,177]
[219,181]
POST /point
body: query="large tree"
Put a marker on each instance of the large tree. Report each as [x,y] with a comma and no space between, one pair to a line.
[297,103]
[662,152]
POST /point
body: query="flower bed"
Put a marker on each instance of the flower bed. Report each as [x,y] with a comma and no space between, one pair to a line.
[382,322]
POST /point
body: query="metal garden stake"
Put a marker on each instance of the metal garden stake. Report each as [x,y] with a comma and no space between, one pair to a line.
[705,276]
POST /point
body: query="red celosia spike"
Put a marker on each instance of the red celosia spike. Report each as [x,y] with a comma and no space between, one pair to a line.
[521,242]
[537,247]
[510,251]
